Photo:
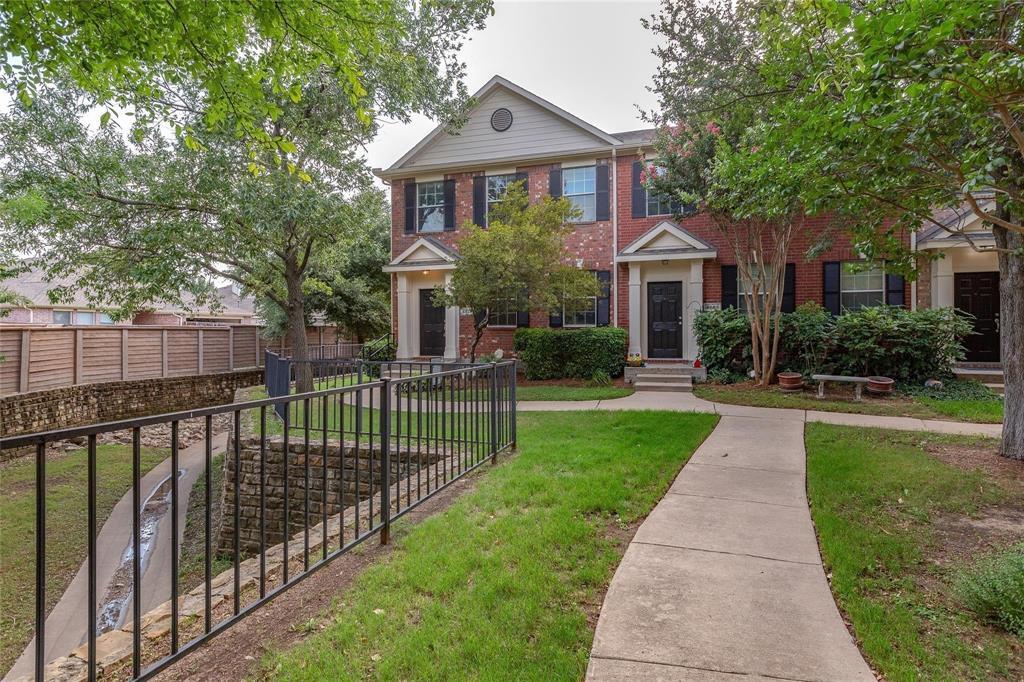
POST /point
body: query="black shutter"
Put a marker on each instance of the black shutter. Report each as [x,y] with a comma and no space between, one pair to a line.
[831,287]
[555,319]
[602,193]
[524,177]
[639,193]
[789,289]
[894,290]
[480,200]
[449,205]
[523,318]
[555,184]
[604,299]
[729,284]
[410,207]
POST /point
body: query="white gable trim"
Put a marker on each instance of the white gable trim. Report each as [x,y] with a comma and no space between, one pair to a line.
[444,260]
[496,82]
[663,228]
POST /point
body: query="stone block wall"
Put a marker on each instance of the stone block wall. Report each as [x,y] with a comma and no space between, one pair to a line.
[96,403]
[350,471]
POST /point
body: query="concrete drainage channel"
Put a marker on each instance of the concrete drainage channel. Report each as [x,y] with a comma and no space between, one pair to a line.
[114,608]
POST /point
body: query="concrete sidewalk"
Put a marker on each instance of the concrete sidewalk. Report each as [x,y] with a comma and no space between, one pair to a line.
[724,578]
[687,402]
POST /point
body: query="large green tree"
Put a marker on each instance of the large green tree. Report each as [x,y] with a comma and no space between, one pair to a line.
[243,55]
[519,262]
[888,110]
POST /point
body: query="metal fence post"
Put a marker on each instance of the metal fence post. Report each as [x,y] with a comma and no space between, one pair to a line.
[359,399]
[494,413]
[385,461]
[512,402]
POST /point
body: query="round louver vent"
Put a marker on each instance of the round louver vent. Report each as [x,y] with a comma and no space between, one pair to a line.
[501,120]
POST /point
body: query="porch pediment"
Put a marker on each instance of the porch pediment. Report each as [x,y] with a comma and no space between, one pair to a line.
[425,253]
[666,241]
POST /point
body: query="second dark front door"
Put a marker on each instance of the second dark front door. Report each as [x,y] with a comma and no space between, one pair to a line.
[977,293]
[431,324]
[665,319]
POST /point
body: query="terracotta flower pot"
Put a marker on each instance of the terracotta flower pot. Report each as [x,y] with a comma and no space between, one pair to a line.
[790,381]
[880,385]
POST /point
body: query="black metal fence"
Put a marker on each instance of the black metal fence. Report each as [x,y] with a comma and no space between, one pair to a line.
[336,467]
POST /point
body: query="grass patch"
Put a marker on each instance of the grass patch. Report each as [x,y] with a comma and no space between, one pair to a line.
[876,499]
[840,399]
[66,531]
[192,562]
[571,392]
[494,587]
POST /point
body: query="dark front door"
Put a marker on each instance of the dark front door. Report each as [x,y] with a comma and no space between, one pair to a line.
[665,319]
[431,324]
[977,293]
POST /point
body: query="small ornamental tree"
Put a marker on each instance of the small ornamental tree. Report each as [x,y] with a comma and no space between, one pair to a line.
[517,263]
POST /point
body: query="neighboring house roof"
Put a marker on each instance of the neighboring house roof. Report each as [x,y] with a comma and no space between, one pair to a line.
[666,241]
[537,129]
[957,225]
[426,253]
[33,286]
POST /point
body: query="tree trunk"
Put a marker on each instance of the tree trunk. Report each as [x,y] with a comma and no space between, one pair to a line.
[478,333]
[1011,333]
[296,314]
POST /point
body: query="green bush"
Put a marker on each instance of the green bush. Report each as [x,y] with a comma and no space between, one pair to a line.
[571,353]
[600,378]
[955,389]
[723,337]
[909,346]
[994,589]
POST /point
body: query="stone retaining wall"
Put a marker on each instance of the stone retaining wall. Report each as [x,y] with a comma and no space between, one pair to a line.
[350,470]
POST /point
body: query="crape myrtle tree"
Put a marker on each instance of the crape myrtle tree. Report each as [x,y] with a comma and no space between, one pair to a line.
[518,262]
[710,55]
[146,211]
[896,109]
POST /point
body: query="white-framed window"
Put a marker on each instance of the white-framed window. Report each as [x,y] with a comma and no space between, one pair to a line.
[85,317]
[106,319]
[497,186]
[62,317]
[743,296]
[579,185]
[580,314]
[504,314]
[430,206]
[859,288]
[658,204]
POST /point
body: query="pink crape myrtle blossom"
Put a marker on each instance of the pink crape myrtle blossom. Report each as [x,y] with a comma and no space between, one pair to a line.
[713,128]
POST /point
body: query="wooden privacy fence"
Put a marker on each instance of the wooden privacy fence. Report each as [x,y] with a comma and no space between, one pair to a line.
[42,358]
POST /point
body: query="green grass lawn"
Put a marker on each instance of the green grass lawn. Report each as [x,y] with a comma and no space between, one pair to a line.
[66,533]
[495,586]
[839,399]
[571,392]
[876,499]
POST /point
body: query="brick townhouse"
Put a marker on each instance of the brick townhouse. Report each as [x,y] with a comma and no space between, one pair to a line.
[658,269]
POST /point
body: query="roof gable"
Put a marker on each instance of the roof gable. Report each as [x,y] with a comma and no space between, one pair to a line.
[666,240]
[424,253]
[538,128]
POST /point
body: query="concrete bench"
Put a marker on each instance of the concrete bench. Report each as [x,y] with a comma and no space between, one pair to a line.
[858,383]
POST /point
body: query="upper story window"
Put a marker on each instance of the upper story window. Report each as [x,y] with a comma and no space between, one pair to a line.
[579,185]
[83,317]
[106,319]
[430,206]
[62,317]
[658,204]
[497,186]
[860,288]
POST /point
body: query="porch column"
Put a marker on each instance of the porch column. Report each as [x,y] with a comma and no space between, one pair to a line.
[694,303]
[404,317]
[451,325]
[635,345]
[942,282]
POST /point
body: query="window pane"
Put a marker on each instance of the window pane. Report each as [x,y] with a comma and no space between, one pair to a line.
[62,317]
[430,196]
[106,319]
[85,318]
[587,203]
[861,288]
[431,220]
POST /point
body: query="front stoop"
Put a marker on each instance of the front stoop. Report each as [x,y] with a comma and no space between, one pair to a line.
[988,373]
[676,383]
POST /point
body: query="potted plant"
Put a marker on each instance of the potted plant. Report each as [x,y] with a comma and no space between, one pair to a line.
[791,381]
[880,385]
[634,360]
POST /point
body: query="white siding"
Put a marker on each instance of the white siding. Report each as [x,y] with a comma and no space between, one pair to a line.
[534,132]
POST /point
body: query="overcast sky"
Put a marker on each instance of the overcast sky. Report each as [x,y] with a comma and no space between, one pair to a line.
[592,59]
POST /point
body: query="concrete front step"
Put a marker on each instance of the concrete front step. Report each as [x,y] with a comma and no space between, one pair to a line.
[996,388]
[666,386]
[665,378]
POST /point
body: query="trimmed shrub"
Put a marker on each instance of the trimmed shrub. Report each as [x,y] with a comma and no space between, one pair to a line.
[571,353]
[805,338]
[723,337]
[994,589]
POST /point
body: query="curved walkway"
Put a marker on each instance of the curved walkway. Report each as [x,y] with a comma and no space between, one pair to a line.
[724,577]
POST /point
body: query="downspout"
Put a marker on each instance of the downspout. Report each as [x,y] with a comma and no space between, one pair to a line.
[913,282]
[615,239]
